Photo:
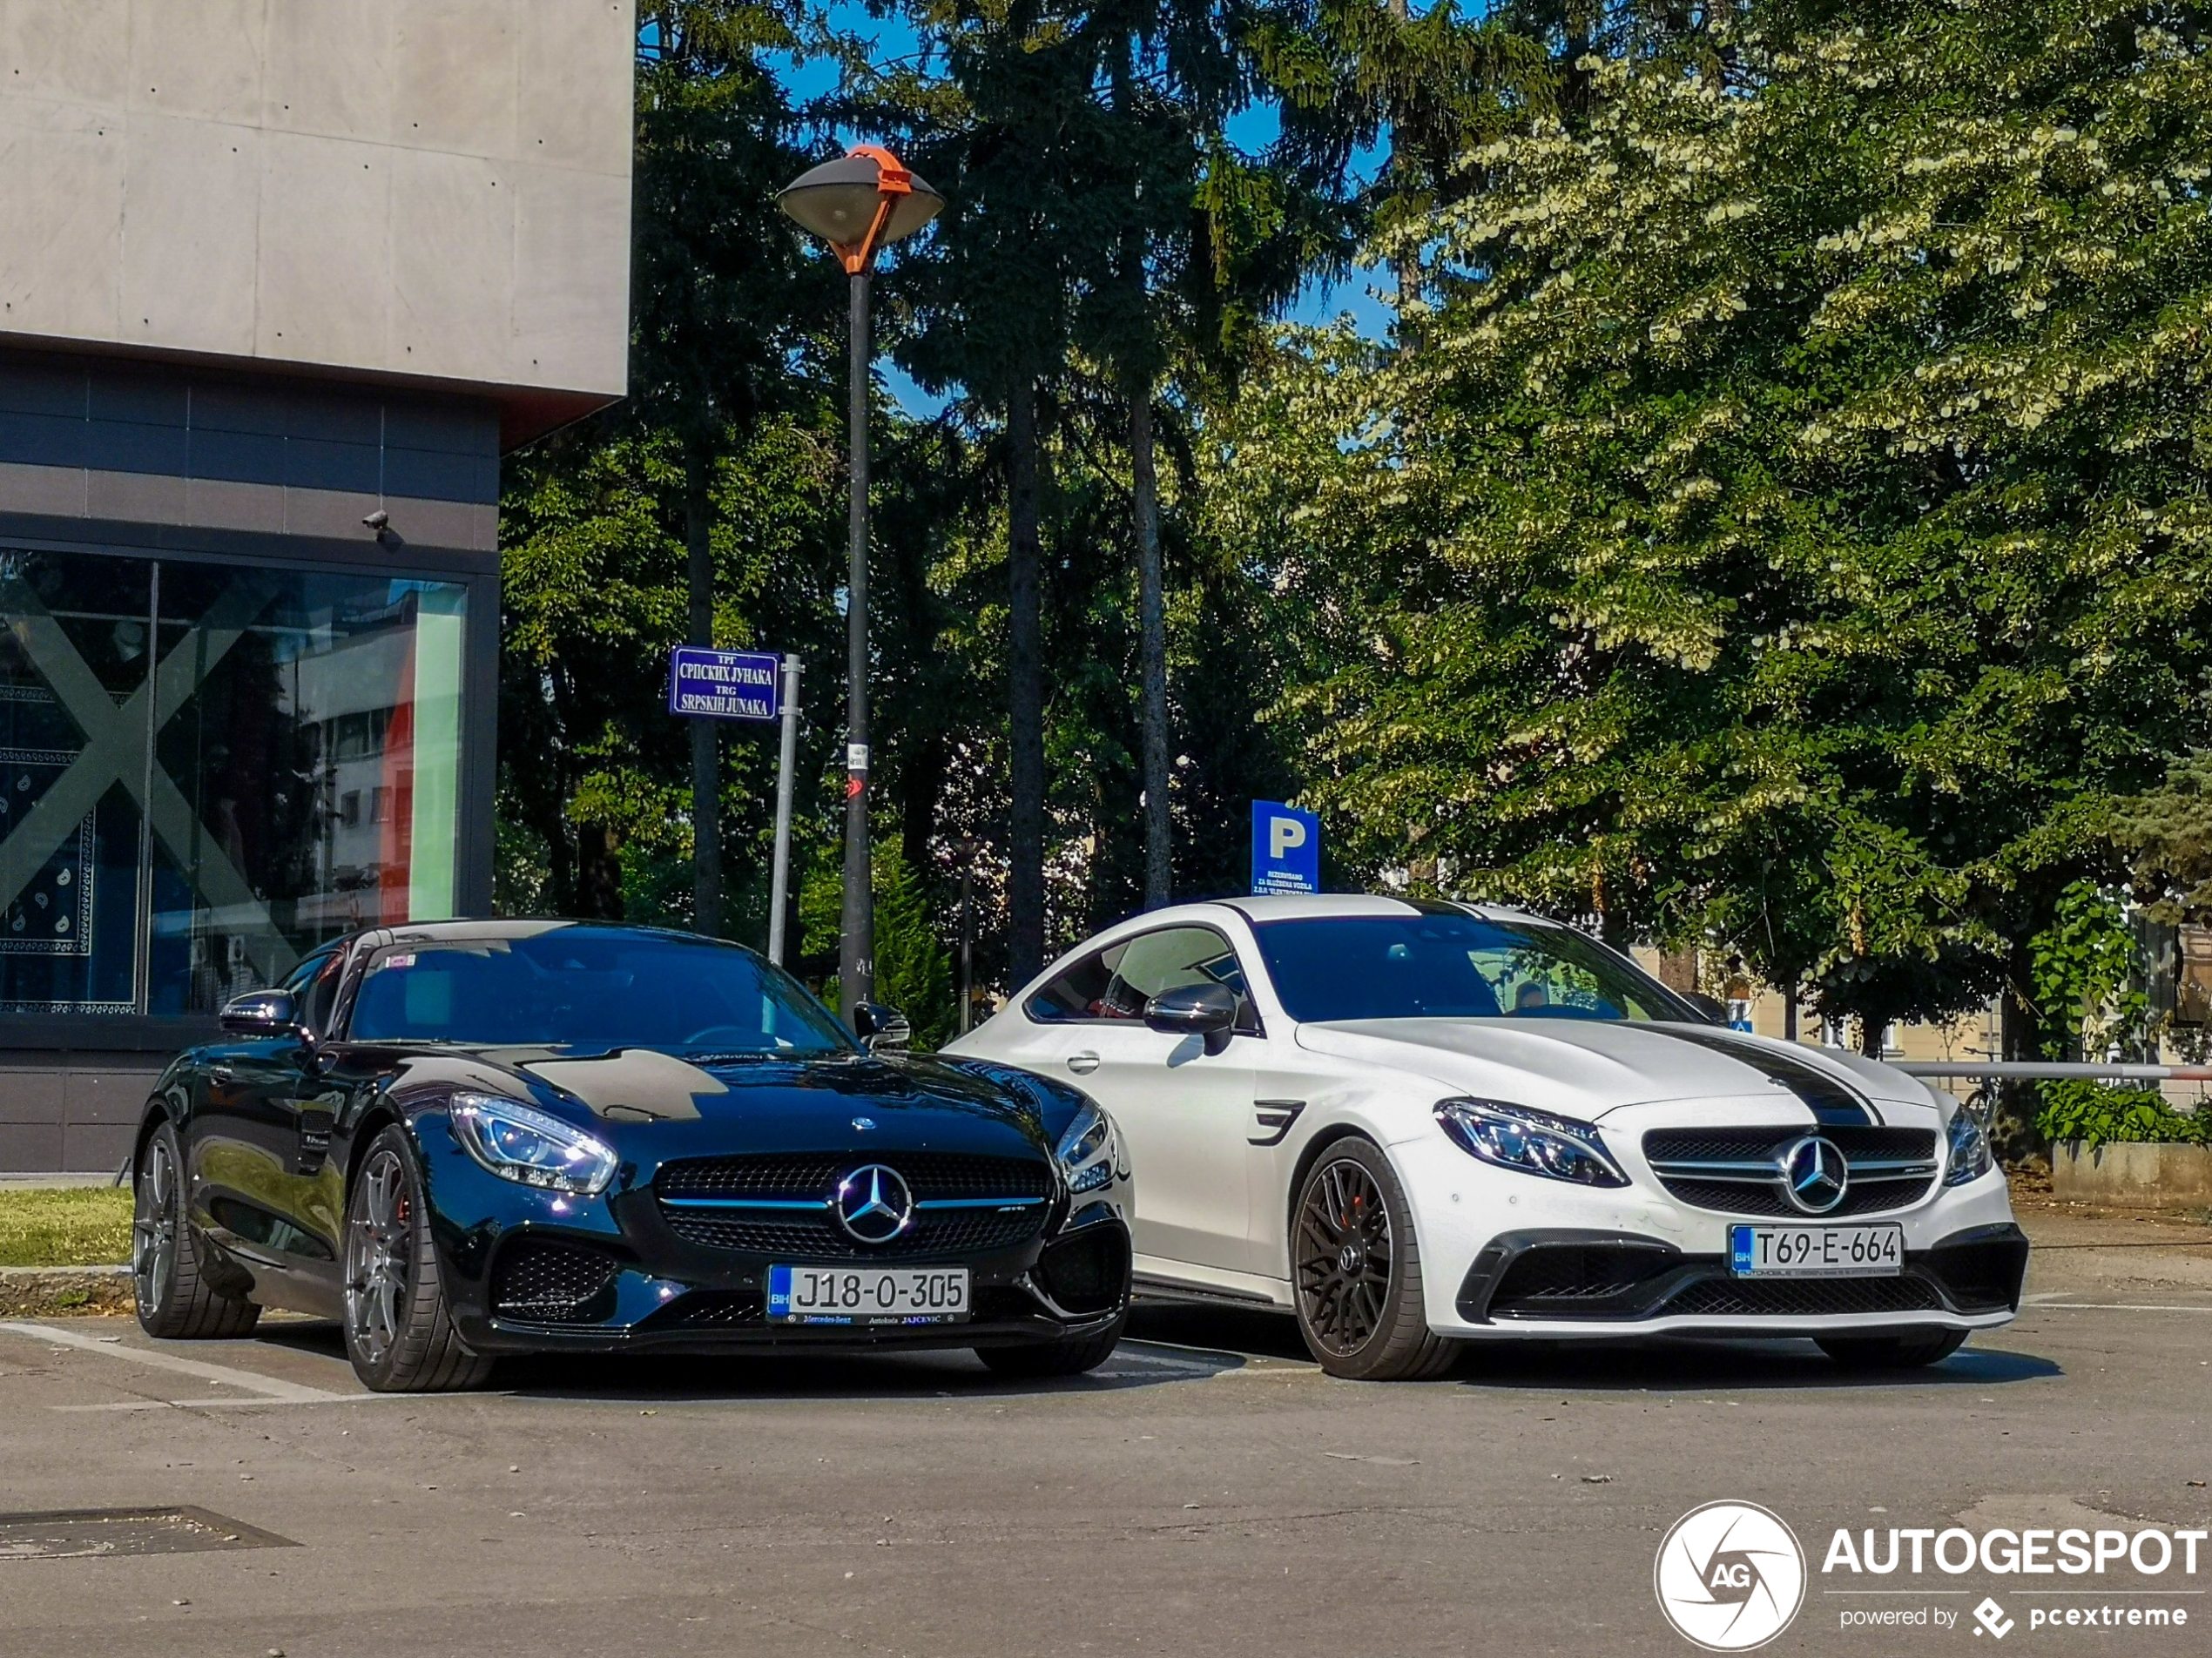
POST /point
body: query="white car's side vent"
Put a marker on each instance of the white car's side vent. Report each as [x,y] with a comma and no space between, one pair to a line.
[1274,1118]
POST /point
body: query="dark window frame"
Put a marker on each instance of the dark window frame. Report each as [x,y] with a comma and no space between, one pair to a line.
[1248,1022]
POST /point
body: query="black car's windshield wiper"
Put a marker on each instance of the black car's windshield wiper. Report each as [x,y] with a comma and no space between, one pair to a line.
[735,1054]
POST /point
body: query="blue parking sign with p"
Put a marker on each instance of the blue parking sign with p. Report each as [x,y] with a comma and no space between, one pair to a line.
[1286,849]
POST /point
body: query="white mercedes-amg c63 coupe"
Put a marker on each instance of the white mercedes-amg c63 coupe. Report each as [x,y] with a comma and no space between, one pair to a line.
[1416,1124]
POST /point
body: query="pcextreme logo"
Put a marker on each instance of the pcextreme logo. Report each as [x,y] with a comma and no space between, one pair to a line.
[1729,1576]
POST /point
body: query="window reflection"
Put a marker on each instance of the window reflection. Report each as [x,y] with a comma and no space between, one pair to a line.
[303,778]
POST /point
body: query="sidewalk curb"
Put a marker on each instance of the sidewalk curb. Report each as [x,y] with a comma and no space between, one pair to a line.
[50,1291]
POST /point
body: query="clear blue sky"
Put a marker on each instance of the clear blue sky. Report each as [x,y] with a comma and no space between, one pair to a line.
[1321,302]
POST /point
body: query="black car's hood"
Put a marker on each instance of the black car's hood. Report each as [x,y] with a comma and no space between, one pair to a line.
[653,1105]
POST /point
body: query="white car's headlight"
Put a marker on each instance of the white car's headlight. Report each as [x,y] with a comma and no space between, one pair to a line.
[1090,1151]
[1970,1155]
[1530,1143]
[519,1143]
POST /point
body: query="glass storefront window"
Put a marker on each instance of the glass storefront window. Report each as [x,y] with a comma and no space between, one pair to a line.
[219,766]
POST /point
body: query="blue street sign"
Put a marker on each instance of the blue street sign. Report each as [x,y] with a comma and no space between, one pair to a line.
[1286,849]
[724,685]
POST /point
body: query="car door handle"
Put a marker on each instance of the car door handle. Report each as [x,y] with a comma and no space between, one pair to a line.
[1082,1064]
[223,1073]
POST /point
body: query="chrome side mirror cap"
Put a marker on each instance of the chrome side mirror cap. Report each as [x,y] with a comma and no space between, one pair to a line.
[881,1027]
[1206,1010]
[261,1013]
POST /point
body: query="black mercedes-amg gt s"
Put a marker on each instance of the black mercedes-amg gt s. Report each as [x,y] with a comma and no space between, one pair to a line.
[469,1138]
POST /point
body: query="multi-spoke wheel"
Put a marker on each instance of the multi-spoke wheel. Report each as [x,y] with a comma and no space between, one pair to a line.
[399,1330]
[1358,1270]
[168,1260]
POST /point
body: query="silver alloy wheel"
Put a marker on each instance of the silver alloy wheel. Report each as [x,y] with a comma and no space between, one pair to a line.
[153,1227]
[379,1246]
[1343,1256]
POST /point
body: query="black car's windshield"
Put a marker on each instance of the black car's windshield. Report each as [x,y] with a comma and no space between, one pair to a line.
[592,986]
[1453,966]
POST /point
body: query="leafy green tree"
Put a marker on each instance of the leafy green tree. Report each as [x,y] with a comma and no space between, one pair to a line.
[914,969]
[722,291]
[2169,831]
[593,770]
[1792,527]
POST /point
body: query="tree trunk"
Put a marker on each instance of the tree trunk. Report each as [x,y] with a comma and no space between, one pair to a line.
[1025,693]
[922,778]
[598,873]
[1405,173]
[1159,829]
[706,749]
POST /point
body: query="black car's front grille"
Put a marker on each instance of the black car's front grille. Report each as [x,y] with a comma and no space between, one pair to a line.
[1889,1168]
[931,1175]
[1800,1298]
[817,1235]
[777,1204]
[547,1282]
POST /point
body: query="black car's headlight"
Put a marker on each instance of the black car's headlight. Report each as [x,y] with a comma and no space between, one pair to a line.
[1529,1143]
[1089,1152]
[1970,1154]
[519,1143]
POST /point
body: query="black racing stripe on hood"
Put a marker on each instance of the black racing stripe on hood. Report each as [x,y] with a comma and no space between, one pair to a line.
[1833,1102]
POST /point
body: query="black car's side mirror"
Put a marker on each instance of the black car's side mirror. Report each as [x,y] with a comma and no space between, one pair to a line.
[1207,1010]
[878,1025]
[261,1012]
[1712,1007]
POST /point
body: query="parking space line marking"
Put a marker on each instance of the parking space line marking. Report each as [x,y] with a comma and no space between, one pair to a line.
[2112,1306]
[271,1387]
[245,1403]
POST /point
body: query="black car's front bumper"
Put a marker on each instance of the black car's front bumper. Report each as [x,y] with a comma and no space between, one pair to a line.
[529,1270]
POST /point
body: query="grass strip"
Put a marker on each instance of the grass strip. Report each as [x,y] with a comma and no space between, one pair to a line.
[73,1226]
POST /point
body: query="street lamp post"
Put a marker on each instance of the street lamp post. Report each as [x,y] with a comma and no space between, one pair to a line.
[857,204]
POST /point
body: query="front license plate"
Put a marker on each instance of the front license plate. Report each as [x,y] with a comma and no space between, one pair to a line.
[1816,1251]
[867,1295]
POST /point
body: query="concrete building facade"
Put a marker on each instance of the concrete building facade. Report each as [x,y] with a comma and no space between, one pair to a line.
[281,281]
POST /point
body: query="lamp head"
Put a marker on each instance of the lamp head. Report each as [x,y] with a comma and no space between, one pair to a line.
[861,201]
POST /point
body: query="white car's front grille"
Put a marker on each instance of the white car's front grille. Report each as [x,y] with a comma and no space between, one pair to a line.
[1742,1170]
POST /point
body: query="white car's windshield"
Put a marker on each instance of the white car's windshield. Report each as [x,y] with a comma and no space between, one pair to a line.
[1445,965]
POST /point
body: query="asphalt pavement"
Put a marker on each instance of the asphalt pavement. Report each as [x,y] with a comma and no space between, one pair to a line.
[1207,1491]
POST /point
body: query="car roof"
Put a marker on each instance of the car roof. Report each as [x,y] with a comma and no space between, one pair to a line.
[1297,906]
[522,927]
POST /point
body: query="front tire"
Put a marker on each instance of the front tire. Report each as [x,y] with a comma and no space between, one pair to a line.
[1068,1357]
[1892,1352]
[1357,1269]
[399,1327]
[169,1260]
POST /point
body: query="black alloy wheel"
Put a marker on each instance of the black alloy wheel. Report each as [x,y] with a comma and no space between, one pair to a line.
[399,1327]
[1071,1355]
[168,1260]
[1358,1272]
[1909,1351]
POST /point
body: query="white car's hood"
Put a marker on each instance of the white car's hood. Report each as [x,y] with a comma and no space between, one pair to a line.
[1586,1068]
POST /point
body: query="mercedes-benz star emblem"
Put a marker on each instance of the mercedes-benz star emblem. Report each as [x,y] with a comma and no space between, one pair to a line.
[1814,1175]
[874,1204]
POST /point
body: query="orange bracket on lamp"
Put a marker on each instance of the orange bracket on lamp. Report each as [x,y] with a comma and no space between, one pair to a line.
[892,181]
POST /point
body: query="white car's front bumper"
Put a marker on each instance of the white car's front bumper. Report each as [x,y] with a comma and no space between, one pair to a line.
[1475,1222]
